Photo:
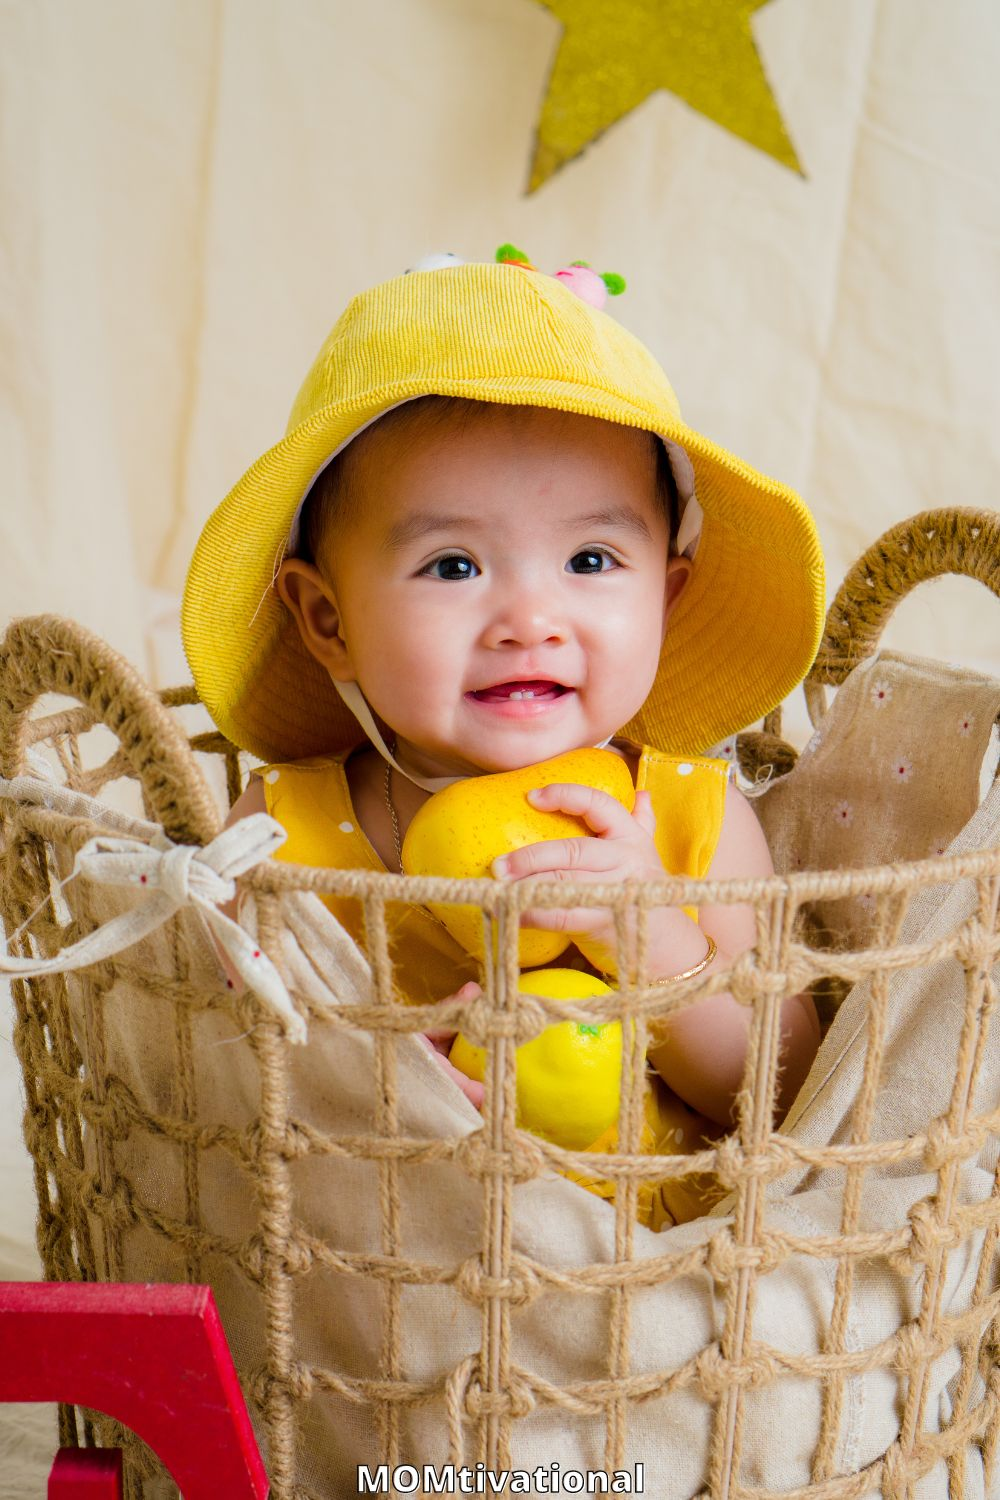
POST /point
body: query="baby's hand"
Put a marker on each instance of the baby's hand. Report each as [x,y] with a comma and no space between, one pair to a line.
[623,848]
[440,1042]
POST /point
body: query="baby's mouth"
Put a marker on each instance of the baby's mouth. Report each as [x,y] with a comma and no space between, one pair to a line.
[539,689]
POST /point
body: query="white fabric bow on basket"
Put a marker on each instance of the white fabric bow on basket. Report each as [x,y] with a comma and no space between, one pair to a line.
[175,876]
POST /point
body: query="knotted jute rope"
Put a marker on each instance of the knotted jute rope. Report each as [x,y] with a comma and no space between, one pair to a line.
[82,1111]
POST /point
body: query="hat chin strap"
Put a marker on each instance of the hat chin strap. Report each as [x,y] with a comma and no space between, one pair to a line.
[355,700]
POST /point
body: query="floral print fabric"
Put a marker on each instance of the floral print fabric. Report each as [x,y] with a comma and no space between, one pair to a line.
[892,773]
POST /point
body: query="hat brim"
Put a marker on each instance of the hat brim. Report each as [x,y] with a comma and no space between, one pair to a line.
[744,633]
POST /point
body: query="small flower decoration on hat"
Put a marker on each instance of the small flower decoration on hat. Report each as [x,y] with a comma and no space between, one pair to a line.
[590,286]
[510,255]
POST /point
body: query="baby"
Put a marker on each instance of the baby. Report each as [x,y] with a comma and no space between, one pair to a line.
[497,541]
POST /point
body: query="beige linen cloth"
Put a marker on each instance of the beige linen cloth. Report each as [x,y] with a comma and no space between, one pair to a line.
[561,1336]
[205,1074]
[892,772]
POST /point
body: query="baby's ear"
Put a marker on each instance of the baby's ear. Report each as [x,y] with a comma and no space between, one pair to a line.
[678,573]
[304,591]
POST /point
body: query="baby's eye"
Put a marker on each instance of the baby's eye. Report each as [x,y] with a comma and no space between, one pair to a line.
[452,567]
[592,560]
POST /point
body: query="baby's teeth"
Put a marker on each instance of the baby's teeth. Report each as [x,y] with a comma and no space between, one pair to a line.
[527,694]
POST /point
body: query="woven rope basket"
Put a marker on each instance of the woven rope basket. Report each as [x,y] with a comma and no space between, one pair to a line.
[406,1282]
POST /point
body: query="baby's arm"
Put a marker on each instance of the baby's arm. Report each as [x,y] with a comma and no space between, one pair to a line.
[440,1042]
[702,1050]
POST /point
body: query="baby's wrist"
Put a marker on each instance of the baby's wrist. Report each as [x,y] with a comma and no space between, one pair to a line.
[676,948]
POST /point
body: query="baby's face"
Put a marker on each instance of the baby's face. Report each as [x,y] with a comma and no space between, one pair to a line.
[502,586]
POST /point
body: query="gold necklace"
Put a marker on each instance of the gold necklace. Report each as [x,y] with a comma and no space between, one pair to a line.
[396,841]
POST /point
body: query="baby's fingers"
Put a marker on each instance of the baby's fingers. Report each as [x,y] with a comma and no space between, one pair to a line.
[568,919]
[439,1039]
[602,813]
[469,991]
[558,859]
[472,1090]
[643,813]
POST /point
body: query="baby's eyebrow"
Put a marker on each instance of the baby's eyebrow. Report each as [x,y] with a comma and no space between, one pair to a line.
[622,517]
[422,523]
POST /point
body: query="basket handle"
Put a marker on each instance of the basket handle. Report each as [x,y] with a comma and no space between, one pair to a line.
[45,654]
[957,539]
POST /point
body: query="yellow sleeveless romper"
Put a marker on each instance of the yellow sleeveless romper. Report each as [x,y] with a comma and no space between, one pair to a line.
[311,800]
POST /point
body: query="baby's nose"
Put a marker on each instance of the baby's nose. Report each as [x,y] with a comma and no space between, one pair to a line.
[527,622]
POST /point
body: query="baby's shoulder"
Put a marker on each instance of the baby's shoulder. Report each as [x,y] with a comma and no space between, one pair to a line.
[688,796]
[741,849]
[661,769]
[251,800]
[702,812]
[690,787]
[267,783]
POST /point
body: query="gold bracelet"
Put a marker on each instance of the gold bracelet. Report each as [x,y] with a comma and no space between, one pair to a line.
[664,979]
[697,968]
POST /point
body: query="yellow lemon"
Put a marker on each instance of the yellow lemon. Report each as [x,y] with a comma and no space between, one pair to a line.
[569,1078]
[461,830]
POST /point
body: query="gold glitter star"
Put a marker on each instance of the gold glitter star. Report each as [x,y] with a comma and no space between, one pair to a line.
[614,53]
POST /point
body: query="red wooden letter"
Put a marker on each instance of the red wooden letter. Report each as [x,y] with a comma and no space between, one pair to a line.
[86,1474]
[153,1357]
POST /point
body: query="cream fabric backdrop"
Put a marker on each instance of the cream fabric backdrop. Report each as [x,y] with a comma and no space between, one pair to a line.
[193,188]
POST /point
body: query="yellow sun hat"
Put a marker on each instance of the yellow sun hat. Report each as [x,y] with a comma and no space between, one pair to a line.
[747,625]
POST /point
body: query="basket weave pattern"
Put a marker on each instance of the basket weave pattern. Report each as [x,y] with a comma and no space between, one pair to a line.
[81,1110]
